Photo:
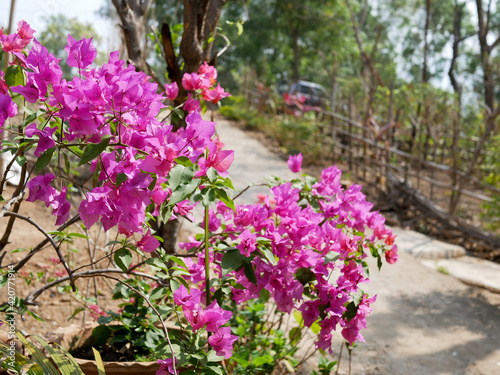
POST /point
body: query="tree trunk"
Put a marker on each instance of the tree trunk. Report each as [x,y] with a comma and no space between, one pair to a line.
[426,44]
[296,57]
[132,16]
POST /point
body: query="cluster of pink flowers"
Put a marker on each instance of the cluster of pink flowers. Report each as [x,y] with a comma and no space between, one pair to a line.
[204,81]
[115,104]
[96,312]
[16,42]
[13,43]
[301,238]
[40,190]
[211,317]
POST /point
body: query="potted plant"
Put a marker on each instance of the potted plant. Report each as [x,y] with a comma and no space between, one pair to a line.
[144,175]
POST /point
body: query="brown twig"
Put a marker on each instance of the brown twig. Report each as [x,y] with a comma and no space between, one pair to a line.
[50,239]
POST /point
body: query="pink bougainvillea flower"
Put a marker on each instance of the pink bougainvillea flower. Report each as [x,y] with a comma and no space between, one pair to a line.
[41,190]
[208,71]
[172,90]
[310,312]
[391,256]
[81,53]
[192,105]
[166,366]
[184,209]
[195,316]
[188,299]
[194,81]
[215,94]
[4,89]
[45,140]
[148,243]
[295,163]
[7,108]
[96,312]
[25,32]
[222,342]
[17,41]
[220,160]
[248,242]
[215,316]
[61,206]
[61,273]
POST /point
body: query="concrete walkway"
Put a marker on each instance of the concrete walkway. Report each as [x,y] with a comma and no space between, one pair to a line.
[425,320]
[253,162]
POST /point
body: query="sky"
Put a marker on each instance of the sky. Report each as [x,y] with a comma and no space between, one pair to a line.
[34,11]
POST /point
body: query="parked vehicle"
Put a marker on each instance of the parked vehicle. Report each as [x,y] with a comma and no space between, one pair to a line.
[308,93]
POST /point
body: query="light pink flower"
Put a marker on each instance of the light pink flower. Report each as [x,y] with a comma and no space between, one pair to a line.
[222,342]
[295,163]
[172,90]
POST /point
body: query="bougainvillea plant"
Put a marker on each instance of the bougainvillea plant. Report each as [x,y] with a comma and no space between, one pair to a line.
[303,247]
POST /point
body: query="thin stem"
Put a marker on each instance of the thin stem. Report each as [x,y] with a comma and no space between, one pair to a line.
[340,357]
[30,299]
[40,246]
[207,259]
[52,242]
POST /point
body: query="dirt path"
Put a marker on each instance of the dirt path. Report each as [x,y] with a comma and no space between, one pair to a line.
[424,322]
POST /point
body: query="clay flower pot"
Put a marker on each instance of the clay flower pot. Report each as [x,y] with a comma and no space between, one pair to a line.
[119,368]
[75,336]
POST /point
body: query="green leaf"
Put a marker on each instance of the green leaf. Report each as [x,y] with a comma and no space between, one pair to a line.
[242,361]
[94,150]
[40,358]
[228,183]
[104,320]
[120,178]
[123,259]
[183,191]
[21,160]
[269,255]
[101,334]
[250,273]
[207,196]
[212,174]
[366,268]
[67,166]
[222,195]
[77,311]
[77,150]
[180,175]
[177,260]
[331,256]
[60,359]
[215,369]
[315,327]
[298,317]
[295,335]
[99,363]
[351,310]
[239,26]
[36,316]
[44,159]
[231,261]
[159,292]
[259,361]
[157,264]
[184,160]
[14,76]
